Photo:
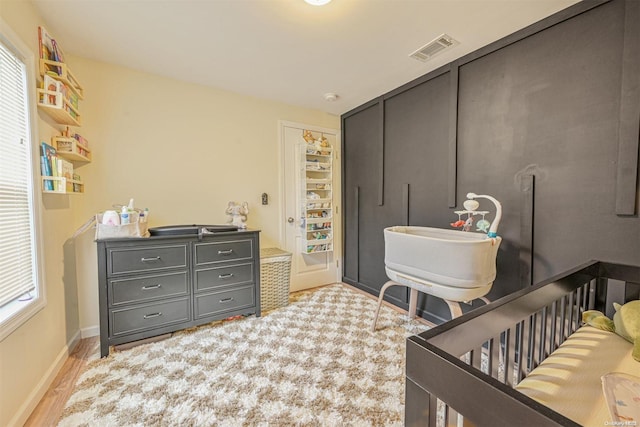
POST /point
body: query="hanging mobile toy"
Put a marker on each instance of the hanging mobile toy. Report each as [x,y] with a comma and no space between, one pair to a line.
[483,225]
[468,223]
[459,223]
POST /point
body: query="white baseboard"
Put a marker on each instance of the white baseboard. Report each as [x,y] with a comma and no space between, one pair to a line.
[41,388]
[91,331]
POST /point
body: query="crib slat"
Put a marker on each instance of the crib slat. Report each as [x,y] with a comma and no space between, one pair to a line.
[433,410]
[494,355]
[509,357]
[579,308]
[487,357]
[570,315]
[476,358]
[531,348]
[563,316]
[592,294]
[518,352]
[543,335]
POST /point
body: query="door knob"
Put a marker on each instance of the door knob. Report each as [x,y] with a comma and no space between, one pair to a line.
[290,220]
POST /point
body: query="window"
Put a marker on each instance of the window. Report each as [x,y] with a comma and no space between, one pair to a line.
[21,290]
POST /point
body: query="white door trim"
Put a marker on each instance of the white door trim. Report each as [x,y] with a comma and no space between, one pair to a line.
[337,193]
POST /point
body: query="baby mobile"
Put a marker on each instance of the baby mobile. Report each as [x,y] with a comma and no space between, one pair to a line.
[470,211]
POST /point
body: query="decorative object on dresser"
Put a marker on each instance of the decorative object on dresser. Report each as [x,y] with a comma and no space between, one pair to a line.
[153,286]
[238,214]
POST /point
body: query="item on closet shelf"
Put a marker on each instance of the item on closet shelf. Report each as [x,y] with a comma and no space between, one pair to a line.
[238,213]
[626,323]
[324,143]
[308,136]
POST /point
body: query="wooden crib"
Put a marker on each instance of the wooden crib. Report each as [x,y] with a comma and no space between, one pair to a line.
[464,371]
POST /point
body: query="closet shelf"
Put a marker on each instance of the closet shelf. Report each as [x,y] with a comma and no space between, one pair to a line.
[316,195]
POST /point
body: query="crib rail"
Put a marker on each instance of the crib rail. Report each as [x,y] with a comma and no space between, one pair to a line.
[473,362]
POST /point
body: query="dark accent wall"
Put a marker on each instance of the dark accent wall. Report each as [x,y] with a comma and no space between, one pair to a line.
[547,120]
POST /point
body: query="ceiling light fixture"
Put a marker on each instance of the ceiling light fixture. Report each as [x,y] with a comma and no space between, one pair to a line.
[317,2]
[330,96]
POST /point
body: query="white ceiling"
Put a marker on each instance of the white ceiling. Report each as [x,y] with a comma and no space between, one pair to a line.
[285,50]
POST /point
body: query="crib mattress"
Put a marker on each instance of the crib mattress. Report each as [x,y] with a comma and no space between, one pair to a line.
[569,380]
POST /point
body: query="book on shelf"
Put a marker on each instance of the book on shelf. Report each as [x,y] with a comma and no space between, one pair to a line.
[65,168]
[52,85]
[48,185]
[48,156]
[77,186]
[55,173]
[57,52]
[48,47]
[44,43]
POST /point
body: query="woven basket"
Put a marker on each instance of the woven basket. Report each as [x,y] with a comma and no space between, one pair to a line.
[275,270]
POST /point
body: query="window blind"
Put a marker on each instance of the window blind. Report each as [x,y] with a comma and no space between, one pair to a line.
[17,270]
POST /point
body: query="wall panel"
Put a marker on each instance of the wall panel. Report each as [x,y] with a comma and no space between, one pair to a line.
[360,158]
[544,104]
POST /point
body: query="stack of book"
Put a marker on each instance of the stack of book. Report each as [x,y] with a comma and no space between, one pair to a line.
[56,92]
[53,166]
[49,48]
[60,89]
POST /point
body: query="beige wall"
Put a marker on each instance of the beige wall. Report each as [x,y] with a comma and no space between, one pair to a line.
[182,150]
[179,149]
[31,354]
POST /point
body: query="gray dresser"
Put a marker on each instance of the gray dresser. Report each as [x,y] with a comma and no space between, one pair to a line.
[152,286]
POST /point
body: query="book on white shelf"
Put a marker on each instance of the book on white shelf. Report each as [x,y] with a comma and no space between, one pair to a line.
[57,51]
[52,85]
[65,168]
[48,47]
[44,42]
[48,152]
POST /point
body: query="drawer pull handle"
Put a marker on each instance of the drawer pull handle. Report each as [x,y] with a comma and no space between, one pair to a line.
[146,288]
[157,258]
[222,301]
[227,252]
[152,315]
[225,276]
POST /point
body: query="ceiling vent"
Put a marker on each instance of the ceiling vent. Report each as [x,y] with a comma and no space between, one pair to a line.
[434,47]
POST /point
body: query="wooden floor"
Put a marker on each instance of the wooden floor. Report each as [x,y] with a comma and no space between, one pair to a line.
[53,402]
[50,407]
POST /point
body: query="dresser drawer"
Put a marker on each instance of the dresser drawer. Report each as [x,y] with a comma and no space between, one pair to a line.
[148,288]
[150,316]
[234,274]
[221,301]
[206,253]
[148,258]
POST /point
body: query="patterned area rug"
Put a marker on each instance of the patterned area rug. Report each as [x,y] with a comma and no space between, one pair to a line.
[315,362]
